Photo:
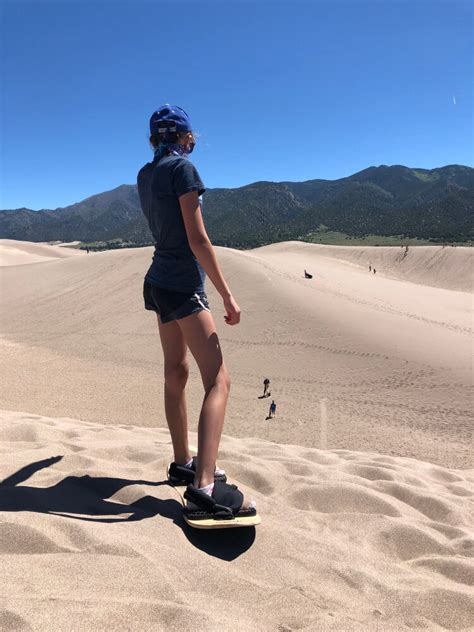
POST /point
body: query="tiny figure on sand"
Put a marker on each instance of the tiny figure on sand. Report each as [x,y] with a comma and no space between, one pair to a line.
[266,387]
[272,411]
[307,275]
[370,268]
[375,271]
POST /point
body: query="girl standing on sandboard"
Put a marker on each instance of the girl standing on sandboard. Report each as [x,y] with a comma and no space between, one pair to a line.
[170,191]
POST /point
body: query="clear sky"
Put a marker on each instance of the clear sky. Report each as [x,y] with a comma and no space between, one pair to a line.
[289,90]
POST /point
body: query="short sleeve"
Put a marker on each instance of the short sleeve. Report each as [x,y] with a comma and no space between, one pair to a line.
[143,188]
[186,178]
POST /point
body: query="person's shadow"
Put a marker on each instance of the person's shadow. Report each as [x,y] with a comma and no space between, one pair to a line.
[85,498]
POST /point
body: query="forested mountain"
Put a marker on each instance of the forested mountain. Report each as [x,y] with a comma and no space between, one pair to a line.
[386,200]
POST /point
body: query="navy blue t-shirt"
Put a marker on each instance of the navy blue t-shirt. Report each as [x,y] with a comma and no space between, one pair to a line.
[160,183]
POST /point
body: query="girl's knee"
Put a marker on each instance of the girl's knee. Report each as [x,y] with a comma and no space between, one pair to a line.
[221,380]
[176,375]
[226,380]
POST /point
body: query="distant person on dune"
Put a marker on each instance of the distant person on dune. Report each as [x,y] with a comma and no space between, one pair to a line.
[272,411]
[375,271]
[266,387]
[307,275]
[370,268]
[170,190]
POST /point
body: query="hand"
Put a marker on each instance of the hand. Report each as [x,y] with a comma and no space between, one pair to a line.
[232,316]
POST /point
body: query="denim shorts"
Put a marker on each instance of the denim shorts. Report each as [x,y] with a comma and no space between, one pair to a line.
[171,304]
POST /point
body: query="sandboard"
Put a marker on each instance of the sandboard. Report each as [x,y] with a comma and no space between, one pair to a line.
[212,523]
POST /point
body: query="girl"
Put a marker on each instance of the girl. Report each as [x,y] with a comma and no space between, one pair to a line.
[170,192]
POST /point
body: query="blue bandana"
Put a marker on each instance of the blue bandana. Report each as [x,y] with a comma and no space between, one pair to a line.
[171,148]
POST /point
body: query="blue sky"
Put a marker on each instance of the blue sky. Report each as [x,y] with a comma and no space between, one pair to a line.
[276,90]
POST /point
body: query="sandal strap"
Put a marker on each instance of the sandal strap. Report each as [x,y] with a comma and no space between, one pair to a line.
[187,473]
[225,502]
[199,498]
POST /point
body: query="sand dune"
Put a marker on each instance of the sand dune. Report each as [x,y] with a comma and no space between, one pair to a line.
[389,360]
[447,267]
[364,479]
[17,253]
[92,539]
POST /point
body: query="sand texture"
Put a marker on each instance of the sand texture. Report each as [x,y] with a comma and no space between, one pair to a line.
[92,538]
[364,479]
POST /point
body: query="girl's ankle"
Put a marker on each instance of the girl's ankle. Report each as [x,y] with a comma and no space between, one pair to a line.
[183,461]
[203,481]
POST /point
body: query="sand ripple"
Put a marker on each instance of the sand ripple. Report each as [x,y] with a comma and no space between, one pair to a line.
[91,538]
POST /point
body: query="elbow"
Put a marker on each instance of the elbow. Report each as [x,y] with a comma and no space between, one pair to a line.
[197,245]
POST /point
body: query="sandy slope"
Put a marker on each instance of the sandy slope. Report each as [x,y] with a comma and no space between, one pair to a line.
[366,371]
[93,539]
[17,253]
[450,267]
[389,360]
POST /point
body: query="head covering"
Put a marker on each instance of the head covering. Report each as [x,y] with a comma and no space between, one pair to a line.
[164,149]
[169,118]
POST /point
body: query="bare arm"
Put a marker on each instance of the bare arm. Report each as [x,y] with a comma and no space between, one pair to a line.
[202,248]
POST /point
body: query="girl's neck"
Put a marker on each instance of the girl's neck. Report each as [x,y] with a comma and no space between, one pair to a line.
[171,148]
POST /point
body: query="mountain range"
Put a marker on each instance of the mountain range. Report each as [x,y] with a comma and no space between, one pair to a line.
[434,204]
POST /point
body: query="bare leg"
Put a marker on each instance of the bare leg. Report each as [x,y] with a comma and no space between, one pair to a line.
[200,334]
[176,375]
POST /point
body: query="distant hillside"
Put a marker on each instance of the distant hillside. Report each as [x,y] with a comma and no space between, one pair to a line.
[432,204]
[96,217]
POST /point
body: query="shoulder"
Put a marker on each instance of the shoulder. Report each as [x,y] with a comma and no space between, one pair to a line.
[185,171]
[144,171]
[172,165]
[180,163]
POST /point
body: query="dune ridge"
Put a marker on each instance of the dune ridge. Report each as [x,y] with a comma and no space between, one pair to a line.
[15,253]
[448,267]
[349,540]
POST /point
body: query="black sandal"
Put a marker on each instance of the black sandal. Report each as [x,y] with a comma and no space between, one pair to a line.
[221,510]
[182,475]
